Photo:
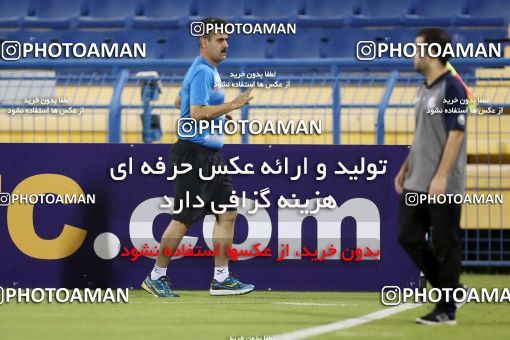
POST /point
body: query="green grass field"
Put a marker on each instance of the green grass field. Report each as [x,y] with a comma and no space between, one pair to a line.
[196,315]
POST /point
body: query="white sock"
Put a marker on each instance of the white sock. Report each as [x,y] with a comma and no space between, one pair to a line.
[157,272]
[220,273]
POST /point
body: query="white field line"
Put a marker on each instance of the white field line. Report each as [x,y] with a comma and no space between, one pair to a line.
[344,324]
[314,304]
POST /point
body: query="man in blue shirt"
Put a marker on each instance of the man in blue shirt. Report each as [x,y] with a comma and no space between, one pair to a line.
[202,98]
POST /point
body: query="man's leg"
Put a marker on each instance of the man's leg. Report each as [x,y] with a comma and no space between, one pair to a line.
[445,219]
[223,234]
[414,223]
[170,240]
[447,246]
[156,282]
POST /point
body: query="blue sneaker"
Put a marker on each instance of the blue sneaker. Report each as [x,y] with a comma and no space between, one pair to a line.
[159,288]
[231,286]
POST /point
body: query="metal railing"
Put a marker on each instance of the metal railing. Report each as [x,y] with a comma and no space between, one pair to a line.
[361,103]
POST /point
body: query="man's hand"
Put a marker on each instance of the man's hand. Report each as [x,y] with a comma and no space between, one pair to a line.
[177,102]
[243,99]
[398,182]
[438,185]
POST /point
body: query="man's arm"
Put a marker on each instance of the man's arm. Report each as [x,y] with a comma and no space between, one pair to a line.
[205,112]
[208,112]
[450,154]
[455,121]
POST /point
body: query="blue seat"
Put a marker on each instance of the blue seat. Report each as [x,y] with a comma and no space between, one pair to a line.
[85,37]
[342,43]
[230,10]
[306,43]
[88,37]
[111,13]
[132,36]
[328,12]
[475,37]
[395,36]
[30,36]
[163,13]
[382,13]
[168,43]
[493,13]
[435,13]
[12,12]
[247,46]
[12,36]
[465,36]
[22,36]
[458,35]
[54,13]
[270,11]
[176,44]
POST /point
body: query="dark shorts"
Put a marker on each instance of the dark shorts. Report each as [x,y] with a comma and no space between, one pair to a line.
[217,190]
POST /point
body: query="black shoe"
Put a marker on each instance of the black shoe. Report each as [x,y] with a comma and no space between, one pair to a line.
[462,303]
[437,317]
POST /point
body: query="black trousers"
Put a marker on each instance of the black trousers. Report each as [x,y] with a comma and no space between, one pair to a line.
[440,259]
